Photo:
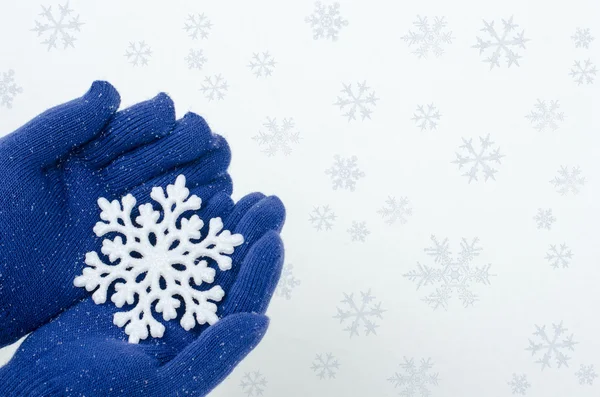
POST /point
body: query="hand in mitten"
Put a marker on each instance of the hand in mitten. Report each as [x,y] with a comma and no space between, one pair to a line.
[53,170]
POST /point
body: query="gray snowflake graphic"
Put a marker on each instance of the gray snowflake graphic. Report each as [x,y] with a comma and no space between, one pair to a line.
[428,36]
[322,218]
[344,173]
[195,59]
[426,118]
[197,26]
[583,71]
[506,43]
[415,381]
[544,218]
[365,313]
[545,117]
[214,87]
[325,366]
[586,374]
[262,64]
[326,21]
[138,53]
[451,274]
[519,384]
[360,102]
[358,231]
[278,138]
[287,282]
[568,181]
[478,160]
[253,383]
[559,257]
[395,210]
[552,347]
[8,89]
[582,38]
[60,27]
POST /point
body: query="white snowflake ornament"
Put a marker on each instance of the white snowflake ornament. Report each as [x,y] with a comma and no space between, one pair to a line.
[161,256]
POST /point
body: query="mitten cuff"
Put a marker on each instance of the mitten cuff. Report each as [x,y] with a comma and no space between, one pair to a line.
[25,381]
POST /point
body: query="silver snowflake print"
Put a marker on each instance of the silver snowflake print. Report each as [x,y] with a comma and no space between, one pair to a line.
[568,181]
[344,173]
[360,102]
[519,384]
[426,119]
[214,87]
[138,53]
[58,27]
[559,257]
[253,383]
[481,160]
[428,37]
[545,116]
[586,374]
[325,366]
[451,274]
[583,72]
[287,282]
[195,59]
[358,231]
[365,312]
[8,89]
[326,21]
[582,38]
[415,380]
[506,43]
[197,26]
[544,218]
[552,347]
[395,210]
[278,138]
[262,64]
[322,218]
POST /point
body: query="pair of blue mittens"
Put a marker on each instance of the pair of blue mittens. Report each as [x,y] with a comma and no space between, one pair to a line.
[53,170]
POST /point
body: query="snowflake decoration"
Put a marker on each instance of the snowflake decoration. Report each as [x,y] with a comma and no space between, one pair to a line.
[428,37]
[325,366]
[253,383]
[344,173]
[326,21]
[262,64]
[552,347]
[214,87]
[559,257]
[519,384]
[586,374]
[8,89]
[278,138]
[501,44]
[360,102]
[358,231]
[544,218]
[60,27]
[197,26]
[287,282]
[453,275]
[322,218]
[365,315]
[415,381]
[195,59]
[426,119]
[138,53]
[163,255]
[583,73]
[481,160]
[544,116]
[582,38]
[568,181]
[395,210]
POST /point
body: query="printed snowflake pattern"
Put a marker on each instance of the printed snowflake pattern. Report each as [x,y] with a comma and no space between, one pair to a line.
[262,64]
[365,313]
[478,160]
[58,27]
[552,347]
[426,119]
[583,71]
[568,181]
[326,21]
[519,384]
[344,173]
[322,218]
[287,282]
[359,102]
[195,59]
[8,89]
[544,218]
[582,38]
[214,87]
[138,53]
[395,210]
[415,381]
[559,257]
[156,254]
[358,231]
[198,26]
[504,43]
[586,374]
[453,274]
[325,366]
[278,138]
[428,37]
[545,117]
[253,383]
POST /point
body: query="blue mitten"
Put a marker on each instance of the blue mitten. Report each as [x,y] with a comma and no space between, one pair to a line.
[53,170]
